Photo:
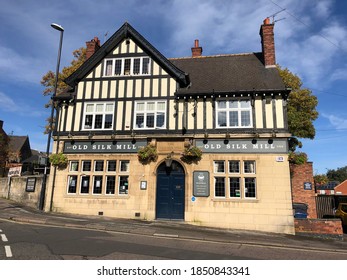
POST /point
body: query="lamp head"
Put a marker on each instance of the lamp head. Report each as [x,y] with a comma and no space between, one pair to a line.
[57,27]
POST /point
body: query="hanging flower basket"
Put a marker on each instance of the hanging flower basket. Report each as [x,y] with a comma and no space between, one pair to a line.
[191,154]
[147,154]
[59,160]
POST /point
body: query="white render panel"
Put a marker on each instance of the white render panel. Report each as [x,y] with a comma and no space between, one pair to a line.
[97,89]
[119,117]
[104,89]
[88,90]
[279,113]
[200,114]
[77,116]
[138,88]
[269,115]
[258,113]
[155,89]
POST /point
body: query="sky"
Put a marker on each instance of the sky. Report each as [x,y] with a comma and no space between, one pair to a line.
[310,40]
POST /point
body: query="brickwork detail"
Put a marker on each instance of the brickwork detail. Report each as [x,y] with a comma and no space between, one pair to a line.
[301,174]
[331,228]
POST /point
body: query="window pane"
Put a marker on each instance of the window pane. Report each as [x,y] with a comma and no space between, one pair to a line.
[124,166]
[233,118]
[140,120]
[88,122]
[99,108]
[219,187]
[249,167]
[111,165]
[219,167]
[233,104]
[123,185]
[99,165]
[74,166]
[72,184]
[245,118]
[150,106]
[222,104]
[140,106]
[250,187]
[85,184]
[118,67]
[110,184]
[136,69]
[150,120]
[161,106]
[234,166]
[108,121]
[234,187]
[160,120]
[86,165]
[245,104]
[145,65]
[127,66]
[97,188]
[222,119]
[108,71]
[98,121]
[90,108]
[109,107]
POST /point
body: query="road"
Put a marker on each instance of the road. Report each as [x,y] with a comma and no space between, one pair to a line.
[36,242]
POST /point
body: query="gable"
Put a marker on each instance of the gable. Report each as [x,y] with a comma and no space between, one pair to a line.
[114,45]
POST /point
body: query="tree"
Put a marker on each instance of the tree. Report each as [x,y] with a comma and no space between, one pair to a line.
[48,79]
[301,108]
[4,151]
[340,174]
[320,179]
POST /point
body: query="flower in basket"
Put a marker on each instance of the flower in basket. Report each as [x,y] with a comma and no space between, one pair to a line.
[191,154]
[59,160]
[147,154]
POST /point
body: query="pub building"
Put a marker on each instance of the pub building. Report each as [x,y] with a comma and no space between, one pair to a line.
[215,126]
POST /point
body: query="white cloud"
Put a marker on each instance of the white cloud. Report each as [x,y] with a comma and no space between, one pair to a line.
[7,104]
[336,121]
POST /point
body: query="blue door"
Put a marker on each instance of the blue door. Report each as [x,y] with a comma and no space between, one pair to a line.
[170,192]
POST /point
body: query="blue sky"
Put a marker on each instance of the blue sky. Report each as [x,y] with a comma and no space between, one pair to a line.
[310,39]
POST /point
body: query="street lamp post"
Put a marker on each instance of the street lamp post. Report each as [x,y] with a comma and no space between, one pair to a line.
[44,181]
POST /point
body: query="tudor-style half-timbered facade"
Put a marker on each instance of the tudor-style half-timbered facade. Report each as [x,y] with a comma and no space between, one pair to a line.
[127,95]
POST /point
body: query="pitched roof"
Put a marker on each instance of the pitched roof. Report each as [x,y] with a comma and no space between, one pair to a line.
[229,74]
[125,32]
[17,142]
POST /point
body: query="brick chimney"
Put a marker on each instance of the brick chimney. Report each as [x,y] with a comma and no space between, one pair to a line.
[196,50]
[268,43]
[92,46]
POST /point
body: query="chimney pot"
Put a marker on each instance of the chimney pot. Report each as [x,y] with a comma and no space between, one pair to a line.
[196,50]
[267,21]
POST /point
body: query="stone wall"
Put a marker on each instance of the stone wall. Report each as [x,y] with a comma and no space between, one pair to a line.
[17,190]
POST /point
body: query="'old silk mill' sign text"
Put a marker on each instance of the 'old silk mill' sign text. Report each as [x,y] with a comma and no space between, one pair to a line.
[243,146]
[89,147]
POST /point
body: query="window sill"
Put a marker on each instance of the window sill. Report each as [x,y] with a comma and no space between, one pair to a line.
[242,200]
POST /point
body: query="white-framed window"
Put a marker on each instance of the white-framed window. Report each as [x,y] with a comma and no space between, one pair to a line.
[150,115]
[219,166]
[123,185]
[86,165]
[97,184]
[110,184]
[235,183]
[98,166]
[72,184]
[74,166]
[127,66]
[111,166]
[233,114]
[85,183]
[124,166]
[98,116]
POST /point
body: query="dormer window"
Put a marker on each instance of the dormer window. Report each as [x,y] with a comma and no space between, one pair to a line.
[233,114]
[127,66]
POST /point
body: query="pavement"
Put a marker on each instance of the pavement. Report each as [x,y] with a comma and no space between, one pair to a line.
[16,212]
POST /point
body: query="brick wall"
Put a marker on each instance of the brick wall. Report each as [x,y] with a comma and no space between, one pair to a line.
[300,174]
[331,228]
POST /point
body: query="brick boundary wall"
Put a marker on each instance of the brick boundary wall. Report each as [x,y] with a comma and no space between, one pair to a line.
[299,175]
[323,228]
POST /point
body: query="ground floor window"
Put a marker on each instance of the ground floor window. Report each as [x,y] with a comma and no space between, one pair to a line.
[237,181]
[98,180]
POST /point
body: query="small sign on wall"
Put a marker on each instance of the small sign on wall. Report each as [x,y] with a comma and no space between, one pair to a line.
[307,186]
[201,183]
[143,185]
[30,185]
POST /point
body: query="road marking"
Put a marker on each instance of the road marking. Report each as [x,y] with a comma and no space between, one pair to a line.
[8,252]
[3,237]
[0,230]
